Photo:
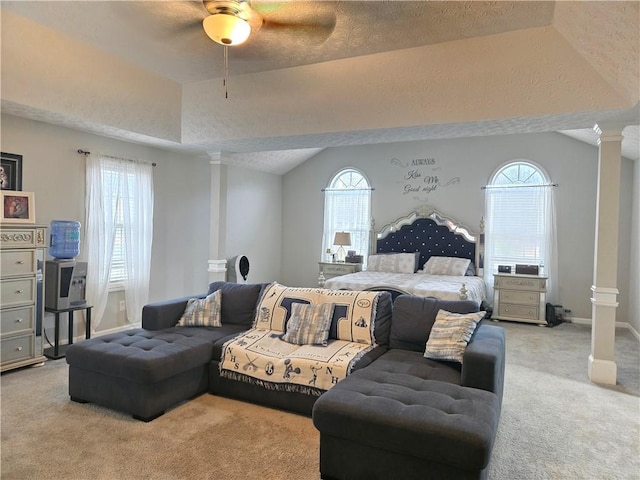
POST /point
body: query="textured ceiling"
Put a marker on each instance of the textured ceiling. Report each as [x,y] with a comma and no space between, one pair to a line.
[320,74]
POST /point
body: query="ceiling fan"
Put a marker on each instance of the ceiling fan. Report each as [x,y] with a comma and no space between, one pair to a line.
[232,22]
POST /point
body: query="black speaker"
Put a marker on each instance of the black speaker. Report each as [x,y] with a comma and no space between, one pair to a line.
[504,268]
[527,269]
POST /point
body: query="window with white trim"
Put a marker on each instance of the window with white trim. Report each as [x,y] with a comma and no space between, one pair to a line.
[520,220]
[347,208]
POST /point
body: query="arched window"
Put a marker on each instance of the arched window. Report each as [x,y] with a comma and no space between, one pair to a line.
[347,208]
[520,221]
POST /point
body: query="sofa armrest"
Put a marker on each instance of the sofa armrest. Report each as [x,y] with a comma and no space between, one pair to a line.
[165,314]
[484,360]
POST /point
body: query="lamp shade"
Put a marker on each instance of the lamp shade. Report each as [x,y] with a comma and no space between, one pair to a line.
[226,29]
[342,238]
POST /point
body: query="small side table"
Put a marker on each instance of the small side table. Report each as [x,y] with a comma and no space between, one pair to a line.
[58,351]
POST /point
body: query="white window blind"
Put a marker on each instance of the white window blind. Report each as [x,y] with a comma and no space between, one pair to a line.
[347,208]
[520,221]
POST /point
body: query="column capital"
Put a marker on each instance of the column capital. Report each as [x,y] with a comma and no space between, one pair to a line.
[215,158]
[609,131]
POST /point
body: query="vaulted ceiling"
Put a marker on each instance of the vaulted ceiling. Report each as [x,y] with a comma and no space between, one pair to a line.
[323,73]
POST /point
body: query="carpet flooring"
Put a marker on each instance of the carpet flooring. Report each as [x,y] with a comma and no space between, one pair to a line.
[555,424]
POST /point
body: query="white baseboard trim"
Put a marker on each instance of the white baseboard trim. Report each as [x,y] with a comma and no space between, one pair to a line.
[628,326]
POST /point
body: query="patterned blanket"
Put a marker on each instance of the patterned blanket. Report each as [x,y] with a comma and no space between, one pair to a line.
[261,357]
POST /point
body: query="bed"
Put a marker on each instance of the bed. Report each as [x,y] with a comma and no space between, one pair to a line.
[423,253]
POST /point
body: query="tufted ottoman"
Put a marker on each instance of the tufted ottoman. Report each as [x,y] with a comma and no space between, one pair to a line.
[388,425]
[144,372]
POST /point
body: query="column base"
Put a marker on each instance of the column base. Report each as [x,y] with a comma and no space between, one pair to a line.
[602,371]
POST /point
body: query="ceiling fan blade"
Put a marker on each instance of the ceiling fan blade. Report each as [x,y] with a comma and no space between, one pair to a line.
[314,20]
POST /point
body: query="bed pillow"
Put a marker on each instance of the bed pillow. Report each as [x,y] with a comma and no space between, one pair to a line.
[471,270]
[393,262]
[450,335]
[309,324]
[202,312]
[446,266]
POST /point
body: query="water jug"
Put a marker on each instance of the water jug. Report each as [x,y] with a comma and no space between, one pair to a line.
[64,239]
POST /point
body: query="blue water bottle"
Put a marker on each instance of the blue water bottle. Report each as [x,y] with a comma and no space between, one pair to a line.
[64,239]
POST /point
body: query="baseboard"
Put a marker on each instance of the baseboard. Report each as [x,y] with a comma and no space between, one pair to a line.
[77,338]
[628,326]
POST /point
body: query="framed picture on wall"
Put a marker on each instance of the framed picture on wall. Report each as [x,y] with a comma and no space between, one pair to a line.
[11,172]
[17,207]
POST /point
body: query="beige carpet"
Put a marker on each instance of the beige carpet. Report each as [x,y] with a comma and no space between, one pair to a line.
[555,424]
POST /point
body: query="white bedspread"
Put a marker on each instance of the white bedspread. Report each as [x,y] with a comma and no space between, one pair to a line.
[444,287]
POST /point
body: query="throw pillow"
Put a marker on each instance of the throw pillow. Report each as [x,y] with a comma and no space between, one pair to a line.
[202,312]
[392,262]
[450,335]
[446,266]
[309,324]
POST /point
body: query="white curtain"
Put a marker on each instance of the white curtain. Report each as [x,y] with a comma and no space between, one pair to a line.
[347,210]
[119,192]
[520,227]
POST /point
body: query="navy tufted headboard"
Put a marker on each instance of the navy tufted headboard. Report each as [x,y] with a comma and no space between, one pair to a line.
[430,234]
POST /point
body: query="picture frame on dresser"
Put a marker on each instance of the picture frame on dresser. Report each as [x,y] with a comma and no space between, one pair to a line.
[10,171]
[17,207]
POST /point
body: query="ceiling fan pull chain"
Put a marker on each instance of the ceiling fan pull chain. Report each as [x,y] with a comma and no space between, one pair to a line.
[226,71]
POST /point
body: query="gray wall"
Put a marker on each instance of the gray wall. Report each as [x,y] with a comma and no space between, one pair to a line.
[56,173]
[465,165]
[254,221]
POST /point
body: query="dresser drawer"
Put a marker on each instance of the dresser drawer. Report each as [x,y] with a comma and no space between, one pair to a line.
[18,263]
[521,297]
[17,291]
[338,269]
[16,320]
[518,311]
[17,348]
[23,237]
[520,283]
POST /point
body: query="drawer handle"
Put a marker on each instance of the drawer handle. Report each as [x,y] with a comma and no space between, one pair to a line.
[19,320]
[20,291]
[20,262]
[18,349]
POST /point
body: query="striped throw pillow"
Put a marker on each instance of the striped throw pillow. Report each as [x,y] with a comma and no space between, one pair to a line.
[450,335]
[202,312]
[309,324]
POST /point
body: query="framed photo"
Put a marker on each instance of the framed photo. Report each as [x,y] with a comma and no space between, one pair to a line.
[11,172]
[17,207]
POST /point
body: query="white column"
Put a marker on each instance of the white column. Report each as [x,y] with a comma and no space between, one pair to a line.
[217,265]
[602,367]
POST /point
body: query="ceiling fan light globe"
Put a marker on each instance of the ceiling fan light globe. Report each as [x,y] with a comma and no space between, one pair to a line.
[226,29]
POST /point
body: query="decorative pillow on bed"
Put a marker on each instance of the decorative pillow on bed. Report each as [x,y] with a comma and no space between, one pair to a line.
[450,335]
[202,312]
[393,262]
[309,324]
[446,266]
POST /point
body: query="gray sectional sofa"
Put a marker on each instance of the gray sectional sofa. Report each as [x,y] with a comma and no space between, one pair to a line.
[396,415]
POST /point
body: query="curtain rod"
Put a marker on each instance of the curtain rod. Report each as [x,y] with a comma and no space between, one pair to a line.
[84,152]
[347,189]
[491,187]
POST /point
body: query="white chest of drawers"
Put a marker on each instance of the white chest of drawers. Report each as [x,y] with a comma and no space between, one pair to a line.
[21,294]
[520,298]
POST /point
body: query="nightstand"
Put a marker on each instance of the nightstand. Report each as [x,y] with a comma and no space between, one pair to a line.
[334,269]
[521,298]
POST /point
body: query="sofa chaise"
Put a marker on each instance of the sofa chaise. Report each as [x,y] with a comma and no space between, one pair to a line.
[395,411]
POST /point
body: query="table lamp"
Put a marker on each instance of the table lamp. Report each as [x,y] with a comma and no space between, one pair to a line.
[341,239]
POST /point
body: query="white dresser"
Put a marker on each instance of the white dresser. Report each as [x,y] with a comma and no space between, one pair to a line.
[520,298]
[334,269]
[21,294]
